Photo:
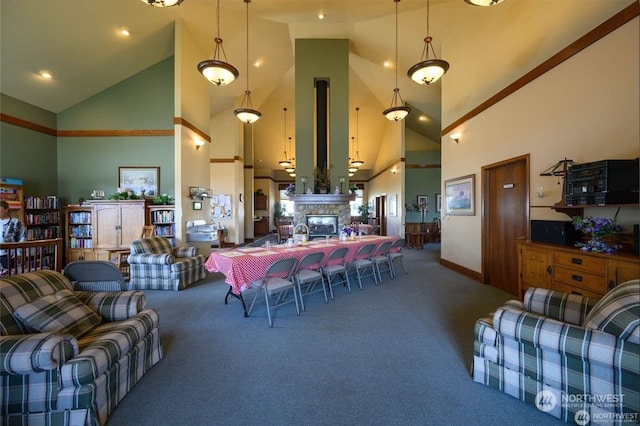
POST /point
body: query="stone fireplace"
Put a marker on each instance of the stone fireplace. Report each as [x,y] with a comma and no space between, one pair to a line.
[322,205]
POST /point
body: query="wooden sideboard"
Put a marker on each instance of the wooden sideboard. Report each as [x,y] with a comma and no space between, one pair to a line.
[568,269]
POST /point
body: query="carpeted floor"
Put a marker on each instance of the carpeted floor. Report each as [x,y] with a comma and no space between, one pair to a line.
[395,354]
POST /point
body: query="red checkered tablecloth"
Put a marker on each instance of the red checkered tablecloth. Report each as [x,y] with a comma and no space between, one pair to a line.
[244,265]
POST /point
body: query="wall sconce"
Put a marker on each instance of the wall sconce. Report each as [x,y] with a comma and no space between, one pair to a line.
[393,170]
[455,137]
[198,143]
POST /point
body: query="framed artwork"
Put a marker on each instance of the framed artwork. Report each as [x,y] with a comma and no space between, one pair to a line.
[197,205]
[460,196]
[438,202]
[393,205]
[143,181]
[423,199]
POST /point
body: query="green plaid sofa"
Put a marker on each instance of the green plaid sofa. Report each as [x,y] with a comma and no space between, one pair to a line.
[575,358]
[156,265]
[69,358]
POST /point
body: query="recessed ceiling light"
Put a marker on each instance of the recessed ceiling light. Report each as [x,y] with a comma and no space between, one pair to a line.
[321,15]
[124,31]
[46,74]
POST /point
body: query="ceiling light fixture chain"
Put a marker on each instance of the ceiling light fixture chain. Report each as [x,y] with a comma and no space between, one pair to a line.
[428,71]
[246,113]
[285,160]
[356,161]
[215,70]
[397,111]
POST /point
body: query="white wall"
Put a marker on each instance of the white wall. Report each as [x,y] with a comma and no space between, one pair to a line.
[585,109]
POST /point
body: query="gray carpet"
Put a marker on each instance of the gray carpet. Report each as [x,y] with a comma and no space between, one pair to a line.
[395,354]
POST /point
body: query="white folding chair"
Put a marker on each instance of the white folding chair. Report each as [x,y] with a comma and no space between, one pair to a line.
[276,283]
[308,275]
[336,267]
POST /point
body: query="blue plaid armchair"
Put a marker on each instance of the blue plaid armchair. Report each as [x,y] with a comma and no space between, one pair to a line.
[156,265]
[576,358]
[69,357]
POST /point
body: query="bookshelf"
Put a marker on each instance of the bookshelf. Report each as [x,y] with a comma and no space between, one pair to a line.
[162,217]
[11,192]
[42,217]
[78,233]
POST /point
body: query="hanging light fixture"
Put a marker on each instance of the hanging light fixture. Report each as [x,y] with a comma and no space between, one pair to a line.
[397,111]
[483,2]
[291,167]
[246,113]
[162,3]
[356,161]
[285,160]
[351,168]
[215,70]
[428,71]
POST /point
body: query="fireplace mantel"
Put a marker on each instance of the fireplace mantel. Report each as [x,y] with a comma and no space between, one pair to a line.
[322,198]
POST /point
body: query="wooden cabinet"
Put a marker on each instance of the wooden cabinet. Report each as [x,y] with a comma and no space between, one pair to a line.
[42,217]
[261,226]
[260,202]
[162,218]
[571,270]
[78,235]
[116,224]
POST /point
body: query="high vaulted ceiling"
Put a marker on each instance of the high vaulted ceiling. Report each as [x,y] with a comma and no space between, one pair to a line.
[78,42]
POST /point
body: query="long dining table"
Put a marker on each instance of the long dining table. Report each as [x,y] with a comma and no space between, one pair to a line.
[245,265]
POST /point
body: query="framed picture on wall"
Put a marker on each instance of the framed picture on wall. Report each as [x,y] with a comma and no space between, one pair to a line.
[143,181]
[460,196]
[197,205]
[438,202]
[423,200]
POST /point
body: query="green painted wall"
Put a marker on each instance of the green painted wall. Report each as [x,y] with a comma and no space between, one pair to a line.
[27,154]
[422,181]
[141,102]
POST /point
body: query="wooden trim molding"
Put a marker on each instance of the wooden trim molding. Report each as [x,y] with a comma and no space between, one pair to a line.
[27,125]
[476,276]
[112,133]
[226,160]
[602,30]
[423,166]
[182,122]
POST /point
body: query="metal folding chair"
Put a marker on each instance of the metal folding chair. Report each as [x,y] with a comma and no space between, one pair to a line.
[395,253]
[363,264]
[276,283]
[335,266]
[308,275]
[381,258]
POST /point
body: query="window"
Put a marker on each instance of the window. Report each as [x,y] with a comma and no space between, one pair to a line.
[355,204]
[287,205]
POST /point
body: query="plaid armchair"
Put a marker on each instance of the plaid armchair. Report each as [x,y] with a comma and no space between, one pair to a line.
[156,265]
[69,358]
[576,358]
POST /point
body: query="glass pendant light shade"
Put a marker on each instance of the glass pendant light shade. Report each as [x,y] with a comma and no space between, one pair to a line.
[162,3]
[352,168]
[246,113]
[397,111]
[285,162]
[483,2]
[289,169]
[216,70]
[429,71]
[357,162]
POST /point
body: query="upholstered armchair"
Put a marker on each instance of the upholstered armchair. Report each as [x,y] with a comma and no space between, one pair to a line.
[156,265]
[574,357]
[69,357]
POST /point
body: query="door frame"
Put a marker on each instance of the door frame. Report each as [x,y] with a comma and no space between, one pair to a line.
[484,207]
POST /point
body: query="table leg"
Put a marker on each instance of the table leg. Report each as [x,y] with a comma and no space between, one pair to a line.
[237,296]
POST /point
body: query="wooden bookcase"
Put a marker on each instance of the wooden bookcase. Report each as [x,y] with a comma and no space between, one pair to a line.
[162,217]
[42,217]
[78,234]
[12,193]
[115,224]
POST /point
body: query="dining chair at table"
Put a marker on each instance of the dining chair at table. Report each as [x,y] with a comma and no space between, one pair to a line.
[275,284]
[336,267]
[395,253]
[308,275]
[380,259]
[363,265]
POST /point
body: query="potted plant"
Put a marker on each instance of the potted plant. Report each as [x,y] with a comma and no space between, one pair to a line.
[322,182]
[363,209]
[353,188]
[163,199]
[278,212]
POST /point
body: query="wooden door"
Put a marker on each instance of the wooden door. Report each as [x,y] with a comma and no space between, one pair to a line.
[105,223]
[381,213]
[505,211]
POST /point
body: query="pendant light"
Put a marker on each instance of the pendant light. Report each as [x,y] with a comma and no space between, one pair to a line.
[397,111]
[428,71]
[483,2]
[162,3]
[291,167]
[246,113]
[351,168]
[215,70]
[285,160]
[356,161]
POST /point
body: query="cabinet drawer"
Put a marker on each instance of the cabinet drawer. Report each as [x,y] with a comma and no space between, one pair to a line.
[557,286]
[580,262]
[583,280]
